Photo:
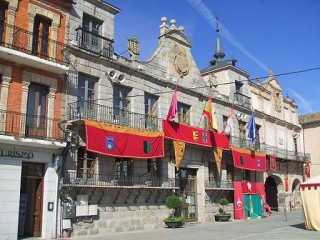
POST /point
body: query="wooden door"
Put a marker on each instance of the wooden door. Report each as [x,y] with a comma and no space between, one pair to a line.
[38,208]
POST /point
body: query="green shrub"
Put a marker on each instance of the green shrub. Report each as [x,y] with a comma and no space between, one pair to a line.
[223,202]
[173,202]
[174,219]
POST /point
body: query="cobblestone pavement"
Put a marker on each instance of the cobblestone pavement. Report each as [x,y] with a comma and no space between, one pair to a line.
[277,227]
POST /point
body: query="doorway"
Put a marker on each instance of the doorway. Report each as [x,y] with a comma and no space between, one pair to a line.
[271,192]
[31,196]
[188,191]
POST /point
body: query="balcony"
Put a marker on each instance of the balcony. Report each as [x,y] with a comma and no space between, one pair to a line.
[246,144]
[117,116]
[222,184]
[21,40]
[74,179]
[22,125]
[242,100]
[94,43]
[287,154]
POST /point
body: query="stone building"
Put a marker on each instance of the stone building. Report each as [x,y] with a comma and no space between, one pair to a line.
[121,158]
[32,75]
[310,131]
[110,98]
[276,124]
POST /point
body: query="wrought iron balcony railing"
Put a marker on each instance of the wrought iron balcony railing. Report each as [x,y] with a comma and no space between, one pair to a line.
[32,43]
[214,184]
[22,125]
[107,180]
[118,116]
[268,149]
[94,43]
[242,100]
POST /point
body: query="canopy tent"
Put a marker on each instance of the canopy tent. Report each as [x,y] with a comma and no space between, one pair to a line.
[310,194]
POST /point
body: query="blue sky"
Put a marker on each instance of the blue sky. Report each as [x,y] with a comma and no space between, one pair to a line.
[284,34]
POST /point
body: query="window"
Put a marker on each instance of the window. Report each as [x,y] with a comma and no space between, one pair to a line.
[0,87]
[86,95]
[3,16]
[91,33]
[36,122]
[183,113]
[121,105]
[225,119]
[41,35]
[85,163]
[242,134]
[257,143]
[151,111]
[238,94]
[124,171]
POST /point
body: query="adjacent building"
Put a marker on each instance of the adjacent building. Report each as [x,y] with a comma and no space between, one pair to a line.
[310,130]
[32,74]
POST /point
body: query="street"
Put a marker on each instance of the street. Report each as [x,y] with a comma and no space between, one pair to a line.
[278,226]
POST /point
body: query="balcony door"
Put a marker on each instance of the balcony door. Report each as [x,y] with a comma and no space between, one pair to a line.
[121,105]
[41,35]
[36,120]
[91,34]
[86,95]
[3,16]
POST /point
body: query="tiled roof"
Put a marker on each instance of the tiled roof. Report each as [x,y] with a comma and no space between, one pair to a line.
[309,118]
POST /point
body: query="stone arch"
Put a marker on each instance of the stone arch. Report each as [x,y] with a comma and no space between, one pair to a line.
[295,185]
[271,186]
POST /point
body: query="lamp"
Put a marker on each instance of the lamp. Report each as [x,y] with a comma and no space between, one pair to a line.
[56,162]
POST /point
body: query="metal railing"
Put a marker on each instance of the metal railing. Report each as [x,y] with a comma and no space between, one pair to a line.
[22,125]
[242,100]
[107,180]
[98,112]
[214,184]
[95,43]
[30,43]
[268,149]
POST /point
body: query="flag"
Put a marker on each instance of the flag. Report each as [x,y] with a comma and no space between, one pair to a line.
[252,128]
[208,112]
[229,125]
[173,107]
[179,147]
[217,152]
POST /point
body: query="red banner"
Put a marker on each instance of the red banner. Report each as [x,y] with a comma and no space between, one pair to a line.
[238,201]
[273,162]
[307,169]
[193,135]
[119,141]
[250,160]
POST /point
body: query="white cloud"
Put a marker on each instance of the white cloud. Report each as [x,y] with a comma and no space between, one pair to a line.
[210,17]
[303,104]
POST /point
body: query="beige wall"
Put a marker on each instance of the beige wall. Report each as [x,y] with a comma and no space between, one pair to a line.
[311,133]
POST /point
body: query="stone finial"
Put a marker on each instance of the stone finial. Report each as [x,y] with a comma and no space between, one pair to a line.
[270,70]
[258,80]
[164,21]
[181,28]
[287,96]
[293,100]
[173,22]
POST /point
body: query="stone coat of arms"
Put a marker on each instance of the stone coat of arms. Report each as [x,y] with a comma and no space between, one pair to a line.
[180,60]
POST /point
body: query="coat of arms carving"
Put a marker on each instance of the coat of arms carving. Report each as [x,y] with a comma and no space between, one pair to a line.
[180,60]
[133,46]
[277,102]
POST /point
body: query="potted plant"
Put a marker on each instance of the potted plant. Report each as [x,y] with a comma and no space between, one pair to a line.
[174,203]
[222,216]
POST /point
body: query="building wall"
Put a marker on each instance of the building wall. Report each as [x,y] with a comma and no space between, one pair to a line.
[311,142]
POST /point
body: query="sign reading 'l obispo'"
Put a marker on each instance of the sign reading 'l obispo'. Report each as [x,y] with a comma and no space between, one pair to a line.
[15,154]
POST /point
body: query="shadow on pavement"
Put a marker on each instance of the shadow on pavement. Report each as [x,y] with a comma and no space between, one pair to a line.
[300,225]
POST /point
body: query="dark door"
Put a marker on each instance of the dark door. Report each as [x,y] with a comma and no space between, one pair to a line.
[41,32]
[38,208]
[188,190]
